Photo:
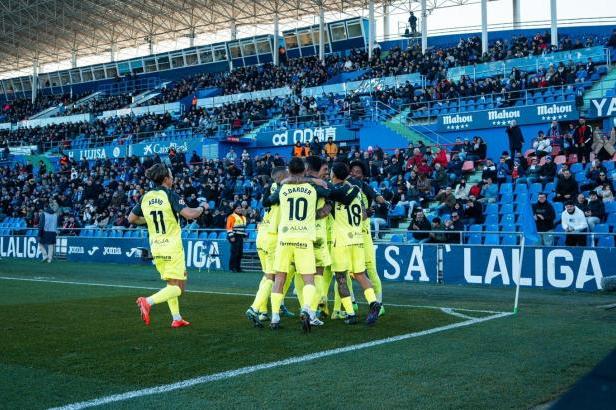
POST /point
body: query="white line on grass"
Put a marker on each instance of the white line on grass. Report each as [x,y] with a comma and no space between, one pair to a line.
[165,388]
[450,311]
[211,292]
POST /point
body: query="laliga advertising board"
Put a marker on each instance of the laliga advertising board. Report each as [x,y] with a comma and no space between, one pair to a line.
[303,135]
[200,254]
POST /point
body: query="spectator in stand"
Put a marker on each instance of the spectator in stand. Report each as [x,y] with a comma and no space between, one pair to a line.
[503,172]
[331,149]
[454,227]
[595,210]
[473,211]
[489,192]
[603,145]
[231,155]
[420,223]
[544,215]
[553,134]
[582,140]
[489,170]
[574,224]
[548,170]
[542,145]
[462,190]
[516,139]
[566,187]
[533,173]
[379,218]
[454,168]
[438,234]
[606,191]
[69,228]
[440,179]
[316,146]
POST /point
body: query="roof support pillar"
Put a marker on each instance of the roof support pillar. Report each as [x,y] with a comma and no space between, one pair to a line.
[73,58]
[484,26]
[191,37]
[151,45]
[554,22]
[371,28]
[34,82]
[275,51]
[233,29]
[113,52]
[424,27]
[516,14]
[386,28]
[321,32]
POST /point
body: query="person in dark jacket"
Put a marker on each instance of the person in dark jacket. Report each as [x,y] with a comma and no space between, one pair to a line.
[454,227]
[420,223]
[595,210]
[544,215]
[566,187]
[473,211]
[548,170]
[582,141]
[516,139]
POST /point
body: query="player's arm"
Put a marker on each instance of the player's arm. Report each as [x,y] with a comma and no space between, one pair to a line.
[325,211]
[343,193]
[371,194]
[136,216]
[272,199]
[180,207]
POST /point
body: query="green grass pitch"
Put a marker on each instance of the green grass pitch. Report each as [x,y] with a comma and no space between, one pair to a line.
[64,343]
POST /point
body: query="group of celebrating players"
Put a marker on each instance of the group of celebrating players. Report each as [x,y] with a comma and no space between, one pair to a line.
[314,231]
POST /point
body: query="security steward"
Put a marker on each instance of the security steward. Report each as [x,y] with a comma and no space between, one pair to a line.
[236,231]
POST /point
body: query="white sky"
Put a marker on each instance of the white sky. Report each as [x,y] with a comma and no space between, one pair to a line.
[446,20]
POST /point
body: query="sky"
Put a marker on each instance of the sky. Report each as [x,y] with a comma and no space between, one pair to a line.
[441,21]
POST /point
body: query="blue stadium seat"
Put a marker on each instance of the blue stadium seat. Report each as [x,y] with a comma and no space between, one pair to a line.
[203,235]
[535,188]
[397,238]
[212,235]
[506,198]
[474,239]
[492,209]
[610,207]
[475,228]
[506,209]
[491,239]
[491,228]
[522,198]
[505,188]
[519,187]
[222,235]
[508,219]
[491,220]
[606,241]
[510,239]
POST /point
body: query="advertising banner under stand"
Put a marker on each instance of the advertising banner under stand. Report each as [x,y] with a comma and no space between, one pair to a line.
[501,117]
[290,137]
[106,152]
[144,149]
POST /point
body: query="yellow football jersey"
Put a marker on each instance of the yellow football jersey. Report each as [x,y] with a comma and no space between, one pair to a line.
[298,209]
[348,222]
[269,224]
[161,207]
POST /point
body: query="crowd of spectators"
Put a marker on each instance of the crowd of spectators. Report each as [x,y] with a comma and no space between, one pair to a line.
[99,104]
[21,109]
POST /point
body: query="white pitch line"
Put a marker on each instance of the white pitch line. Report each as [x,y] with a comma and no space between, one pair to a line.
[452,312]
[211,292]
[165,388]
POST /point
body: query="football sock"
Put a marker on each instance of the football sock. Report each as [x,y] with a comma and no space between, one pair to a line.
[288,281]
[299,289]
[350,286]
[276,299]
[376,281]
[309,293]
[318,283]
[163,295]
[328,275]
[370,296]
[174,307]
[348,305]
[265,288]
[337,300]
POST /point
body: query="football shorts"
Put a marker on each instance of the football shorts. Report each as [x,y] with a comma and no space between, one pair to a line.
[171,267]
[297,251]
[348,258]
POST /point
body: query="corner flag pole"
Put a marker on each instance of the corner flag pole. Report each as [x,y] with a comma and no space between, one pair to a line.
[519,274]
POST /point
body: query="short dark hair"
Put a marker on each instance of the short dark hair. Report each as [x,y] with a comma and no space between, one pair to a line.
[314,163]
[340,170]
[157,173]
[296,166]
[361,166]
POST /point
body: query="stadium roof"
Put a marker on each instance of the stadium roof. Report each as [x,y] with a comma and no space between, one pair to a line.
[49,31]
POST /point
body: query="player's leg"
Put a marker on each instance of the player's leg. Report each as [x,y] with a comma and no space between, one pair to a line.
[50,249]
[260,300]
[340,265]
[370,257]
[298,283]
[327,281]
[283,258]
[43,249]
[345,297]
[359,268]
[306,266]
[318,284]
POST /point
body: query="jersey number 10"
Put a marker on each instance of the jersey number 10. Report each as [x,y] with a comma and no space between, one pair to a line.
[298,209]
[159,221]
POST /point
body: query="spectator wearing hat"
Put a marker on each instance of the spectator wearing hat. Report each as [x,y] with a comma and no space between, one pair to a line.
[236,231]
[544,215]
[574,224]
[595,210]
